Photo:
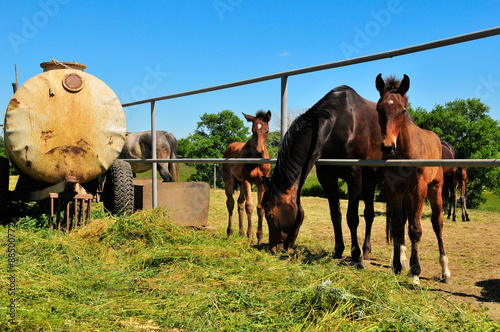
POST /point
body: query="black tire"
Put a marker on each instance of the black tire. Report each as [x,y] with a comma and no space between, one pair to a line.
[118,191]
[4,190]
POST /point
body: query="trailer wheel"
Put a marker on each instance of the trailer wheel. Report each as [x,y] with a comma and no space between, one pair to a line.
[118,191]
[4,190]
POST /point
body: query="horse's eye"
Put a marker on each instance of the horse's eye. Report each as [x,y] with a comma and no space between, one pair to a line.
[269,216]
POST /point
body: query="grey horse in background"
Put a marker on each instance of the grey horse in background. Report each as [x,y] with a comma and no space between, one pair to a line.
[138,146]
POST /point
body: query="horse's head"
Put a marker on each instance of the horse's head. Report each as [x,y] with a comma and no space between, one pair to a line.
[284,216]
[391,109]
[260,129]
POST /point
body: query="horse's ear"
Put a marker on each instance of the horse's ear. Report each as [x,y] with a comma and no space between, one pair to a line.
[249,117]
[268,116]
[404,86]
[380,84]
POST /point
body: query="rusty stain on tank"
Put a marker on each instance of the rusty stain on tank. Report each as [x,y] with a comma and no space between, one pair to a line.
[65,150]
[47,135]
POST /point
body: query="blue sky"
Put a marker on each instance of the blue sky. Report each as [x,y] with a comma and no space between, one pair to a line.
[145,49]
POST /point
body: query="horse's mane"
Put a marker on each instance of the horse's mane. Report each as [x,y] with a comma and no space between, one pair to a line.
[392,84]
[289,163]
[261,114]
[295,149]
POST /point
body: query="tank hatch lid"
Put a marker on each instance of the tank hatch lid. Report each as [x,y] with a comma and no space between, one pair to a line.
[54,64]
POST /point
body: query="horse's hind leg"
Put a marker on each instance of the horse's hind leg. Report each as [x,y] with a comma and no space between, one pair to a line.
[437,225]
[465,213]
[454,202]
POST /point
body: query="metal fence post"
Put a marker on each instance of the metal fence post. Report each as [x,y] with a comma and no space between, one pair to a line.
[284,105]
[153,154]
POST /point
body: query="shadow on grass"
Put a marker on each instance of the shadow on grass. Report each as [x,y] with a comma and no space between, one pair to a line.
[490,290]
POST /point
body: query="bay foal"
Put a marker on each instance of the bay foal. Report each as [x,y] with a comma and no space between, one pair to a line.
[408,187]
[247,175]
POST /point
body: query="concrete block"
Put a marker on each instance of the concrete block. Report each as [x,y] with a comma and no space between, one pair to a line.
[187,202]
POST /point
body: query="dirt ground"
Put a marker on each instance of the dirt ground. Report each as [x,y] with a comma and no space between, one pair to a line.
[473,250]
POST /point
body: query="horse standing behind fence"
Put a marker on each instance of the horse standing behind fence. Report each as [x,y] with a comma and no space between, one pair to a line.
[461,175]
[138,146]
[340,125]
[407,187]
[247,174]
[450,181]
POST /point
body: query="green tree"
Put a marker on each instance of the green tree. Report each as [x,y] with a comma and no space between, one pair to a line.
[2,147]
[467,126]
[210,139]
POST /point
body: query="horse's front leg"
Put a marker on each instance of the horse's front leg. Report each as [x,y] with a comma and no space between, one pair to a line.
[330,185]
[246,191]
[414,207]
[396,220]
[164,173]
[368,195]
[354,190]
[260,213]
[229,205]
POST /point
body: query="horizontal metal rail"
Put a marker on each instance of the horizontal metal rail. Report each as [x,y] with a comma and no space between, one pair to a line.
[338,162]
[378,56]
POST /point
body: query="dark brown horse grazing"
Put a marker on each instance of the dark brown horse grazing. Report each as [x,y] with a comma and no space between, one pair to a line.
[138,146]
[247,174]
[407,187]
[455,178]
[340,125]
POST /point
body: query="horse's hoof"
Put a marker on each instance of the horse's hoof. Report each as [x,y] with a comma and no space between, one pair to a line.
[358,265]
[447,280]
[415,279]
[405,265]
[366,263]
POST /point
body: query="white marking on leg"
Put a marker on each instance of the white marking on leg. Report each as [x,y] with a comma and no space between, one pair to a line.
[443,260]
[402,257]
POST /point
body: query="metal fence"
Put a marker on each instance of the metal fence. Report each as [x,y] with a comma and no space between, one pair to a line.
[284,107]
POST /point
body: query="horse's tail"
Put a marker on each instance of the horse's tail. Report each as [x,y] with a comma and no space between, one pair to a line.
[460,175]
[173,168]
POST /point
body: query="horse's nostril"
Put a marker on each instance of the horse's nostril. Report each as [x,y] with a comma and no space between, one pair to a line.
[260,154]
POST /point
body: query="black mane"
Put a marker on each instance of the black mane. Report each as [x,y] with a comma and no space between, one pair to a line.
[300,140]
[261,114]
[392,84]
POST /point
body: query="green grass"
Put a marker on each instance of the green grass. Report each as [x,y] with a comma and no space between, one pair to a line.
[492,203]
[143,273]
